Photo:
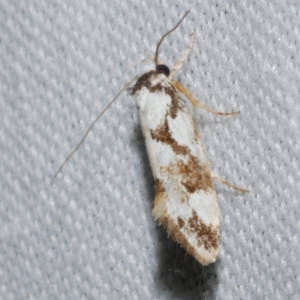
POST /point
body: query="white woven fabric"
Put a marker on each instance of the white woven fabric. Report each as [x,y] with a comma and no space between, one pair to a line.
[89,233]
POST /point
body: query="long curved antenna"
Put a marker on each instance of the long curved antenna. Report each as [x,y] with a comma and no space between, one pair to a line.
[158,45]
[95,121]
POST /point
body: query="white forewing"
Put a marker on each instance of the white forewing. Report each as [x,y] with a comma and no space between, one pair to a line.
[185,200]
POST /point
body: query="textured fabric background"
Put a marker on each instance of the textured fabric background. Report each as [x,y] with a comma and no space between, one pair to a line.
[89,233]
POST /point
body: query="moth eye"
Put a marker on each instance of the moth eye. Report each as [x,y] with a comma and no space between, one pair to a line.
[162,69]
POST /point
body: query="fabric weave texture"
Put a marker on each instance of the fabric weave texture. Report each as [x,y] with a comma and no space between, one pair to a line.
[89,233]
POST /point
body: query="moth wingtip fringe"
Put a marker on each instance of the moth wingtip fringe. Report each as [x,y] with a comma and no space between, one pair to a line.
[173,230]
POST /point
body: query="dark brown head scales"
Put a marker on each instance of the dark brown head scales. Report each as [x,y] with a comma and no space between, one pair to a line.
[162,69]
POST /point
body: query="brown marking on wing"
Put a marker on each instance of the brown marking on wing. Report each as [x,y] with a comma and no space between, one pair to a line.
[192,174]
[175,231]
[164,135]
[181,222]
[176,102]
[195,175]
[207,236]
[145,81]
[159,186]
[159,208]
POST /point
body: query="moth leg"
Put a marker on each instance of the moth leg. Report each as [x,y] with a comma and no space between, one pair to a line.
[222,180]
[196,103]
[179,64]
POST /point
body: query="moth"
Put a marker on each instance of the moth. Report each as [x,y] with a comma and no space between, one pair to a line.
[185,198]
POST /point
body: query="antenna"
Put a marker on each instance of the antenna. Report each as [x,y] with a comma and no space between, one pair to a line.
[95,121]
[158,45]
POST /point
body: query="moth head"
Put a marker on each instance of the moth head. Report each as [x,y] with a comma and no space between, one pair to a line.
[162,69]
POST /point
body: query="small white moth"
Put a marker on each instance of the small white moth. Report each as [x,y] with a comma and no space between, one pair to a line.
[185,200]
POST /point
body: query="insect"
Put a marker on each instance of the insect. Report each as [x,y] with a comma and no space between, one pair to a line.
[185,198]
